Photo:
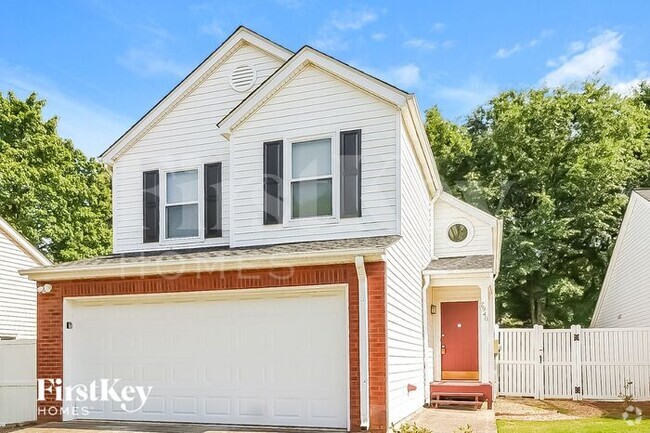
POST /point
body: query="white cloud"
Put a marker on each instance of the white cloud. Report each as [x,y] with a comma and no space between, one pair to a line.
[600,55]
[421,44]
[352,19]
[448,44]
[626,88]
[439,27]
[328,41]
[503,53]
[405,76]
[148,61]
[467,96]
[331,33]
[91,127]
[212,28]
[378,36]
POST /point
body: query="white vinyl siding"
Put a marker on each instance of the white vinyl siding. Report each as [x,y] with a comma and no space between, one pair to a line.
[187,136]
[312,104]
[405,261]
[626,290]
[446,215]
[17,293]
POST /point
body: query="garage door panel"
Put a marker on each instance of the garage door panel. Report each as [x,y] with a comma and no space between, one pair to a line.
[265,361]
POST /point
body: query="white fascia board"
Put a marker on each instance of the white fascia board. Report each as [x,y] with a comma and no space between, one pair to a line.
[468,208]
[22,243]
[420,132]
[498,243]
[305,57]
[620,240]
[241,35]
[138,269]
[456,272]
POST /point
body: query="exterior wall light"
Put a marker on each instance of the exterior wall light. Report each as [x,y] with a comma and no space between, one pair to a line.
[45,288]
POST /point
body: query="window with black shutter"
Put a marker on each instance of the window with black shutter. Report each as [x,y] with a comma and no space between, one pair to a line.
[273,182]
[213,200]
[151,211]
[351,174]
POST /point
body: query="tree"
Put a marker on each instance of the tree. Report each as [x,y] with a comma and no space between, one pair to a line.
[557,166]
[49,191]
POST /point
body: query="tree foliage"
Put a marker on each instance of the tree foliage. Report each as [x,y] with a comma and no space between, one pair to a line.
[557,166]
[49,191]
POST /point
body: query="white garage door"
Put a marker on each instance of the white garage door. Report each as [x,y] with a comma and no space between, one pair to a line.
[278,360]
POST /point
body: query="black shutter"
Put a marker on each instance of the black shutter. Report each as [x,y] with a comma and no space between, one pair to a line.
[150,210]
[213,200]
[273,182]
[351,174]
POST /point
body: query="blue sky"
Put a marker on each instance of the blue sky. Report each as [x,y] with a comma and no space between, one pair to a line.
[101,64]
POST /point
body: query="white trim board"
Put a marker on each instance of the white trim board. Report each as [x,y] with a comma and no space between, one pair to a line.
[20,241]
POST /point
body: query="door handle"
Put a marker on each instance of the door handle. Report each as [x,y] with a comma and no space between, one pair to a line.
[443,349]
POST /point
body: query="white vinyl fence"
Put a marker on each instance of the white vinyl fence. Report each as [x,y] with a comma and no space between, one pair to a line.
[17,381]
[574,363]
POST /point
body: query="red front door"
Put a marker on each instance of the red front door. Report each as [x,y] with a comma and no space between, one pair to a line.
[459,340]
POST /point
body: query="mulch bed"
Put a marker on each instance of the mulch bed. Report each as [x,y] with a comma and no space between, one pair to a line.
[614,409]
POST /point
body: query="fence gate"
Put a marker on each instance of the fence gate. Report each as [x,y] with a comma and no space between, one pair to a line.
[17,381]
[573,363]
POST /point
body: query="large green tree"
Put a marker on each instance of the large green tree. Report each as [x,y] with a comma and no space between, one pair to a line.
[557,166]
[49,191]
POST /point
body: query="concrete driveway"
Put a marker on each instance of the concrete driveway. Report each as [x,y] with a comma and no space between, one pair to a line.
[151,427]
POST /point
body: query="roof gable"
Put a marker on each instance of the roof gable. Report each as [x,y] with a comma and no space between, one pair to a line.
[308,56]
[483,216]
[239,37]
[23,243]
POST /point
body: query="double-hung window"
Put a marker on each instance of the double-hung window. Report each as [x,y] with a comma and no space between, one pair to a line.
[311,178]
[182,204]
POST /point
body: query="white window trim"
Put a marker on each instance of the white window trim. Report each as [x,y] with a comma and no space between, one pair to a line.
[470,233]
[163,206]
[288,220]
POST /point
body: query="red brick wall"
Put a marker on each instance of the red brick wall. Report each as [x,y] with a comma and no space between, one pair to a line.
[50,318]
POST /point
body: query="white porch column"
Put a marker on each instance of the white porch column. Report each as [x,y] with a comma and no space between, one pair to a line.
[486,334]
[425,338]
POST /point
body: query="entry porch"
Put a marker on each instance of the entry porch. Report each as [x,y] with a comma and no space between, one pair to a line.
[460,325]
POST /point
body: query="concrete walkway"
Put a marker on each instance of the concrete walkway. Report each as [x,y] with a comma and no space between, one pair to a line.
[152,427]
[449,420]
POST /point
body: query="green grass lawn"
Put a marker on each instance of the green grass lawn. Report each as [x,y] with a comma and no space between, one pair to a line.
[587,425]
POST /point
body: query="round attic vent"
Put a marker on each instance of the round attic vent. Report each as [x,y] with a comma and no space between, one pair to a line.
[242,78]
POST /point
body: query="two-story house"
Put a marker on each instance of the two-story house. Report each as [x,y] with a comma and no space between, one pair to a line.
[284,255]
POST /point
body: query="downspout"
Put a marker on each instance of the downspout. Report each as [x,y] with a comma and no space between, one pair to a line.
[364,394]
[425,339]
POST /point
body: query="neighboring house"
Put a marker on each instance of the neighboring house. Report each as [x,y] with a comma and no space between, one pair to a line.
[284,254]
[17,293]
[624,299]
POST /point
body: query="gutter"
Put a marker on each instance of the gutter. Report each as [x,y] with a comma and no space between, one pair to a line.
[363,343]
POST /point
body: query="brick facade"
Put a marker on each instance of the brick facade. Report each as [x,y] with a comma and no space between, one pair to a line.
[50,318]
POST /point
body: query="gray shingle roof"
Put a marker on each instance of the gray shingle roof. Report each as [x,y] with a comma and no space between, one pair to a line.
[644,192]
[462,263]
[179,255]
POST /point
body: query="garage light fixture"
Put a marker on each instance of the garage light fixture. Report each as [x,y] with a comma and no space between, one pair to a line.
[45,288]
